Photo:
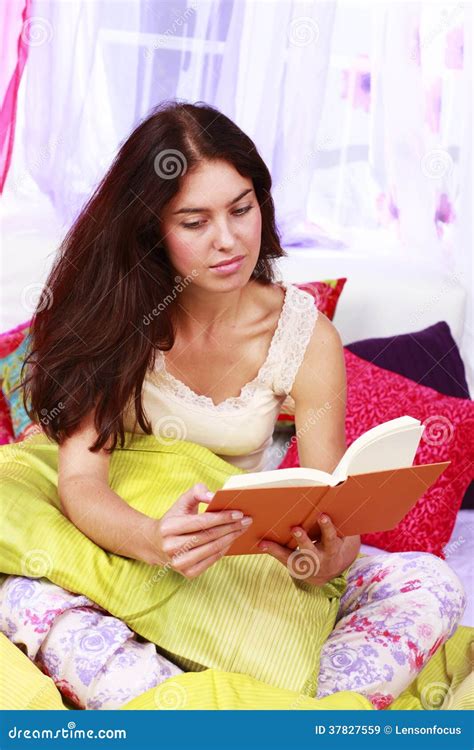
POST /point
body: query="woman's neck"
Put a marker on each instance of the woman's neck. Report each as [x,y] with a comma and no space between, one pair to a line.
[198,310]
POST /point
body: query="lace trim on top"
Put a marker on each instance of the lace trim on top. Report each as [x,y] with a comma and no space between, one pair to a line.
[296,321]
[304,314]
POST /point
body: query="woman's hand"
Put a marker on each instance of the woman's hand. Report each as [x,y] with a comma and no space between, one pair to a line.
[316,563]
[190,542]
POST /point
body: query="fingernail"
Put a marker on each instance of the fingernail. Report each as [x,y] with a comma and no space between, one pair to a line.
[297,532]
[323,519]
[209,495]
[236,514]
[246,521]
[263,547]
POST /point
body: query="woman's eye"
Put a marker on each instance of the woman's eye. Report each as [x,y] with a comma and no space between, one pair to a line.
[195,225]
[237,212]
[242,211]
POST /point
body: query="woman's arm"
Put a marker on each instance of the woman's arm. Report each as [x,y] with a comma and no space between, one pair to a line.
[319,393]
[186,540]
[91,505]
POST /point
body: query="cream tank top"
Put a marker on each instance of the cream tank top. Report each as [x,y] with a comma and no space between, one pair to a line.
[239,430]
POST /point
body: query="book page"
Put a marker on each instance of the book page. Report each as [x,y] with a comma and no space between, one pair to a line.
[393,450]
[390,445]
[298,476]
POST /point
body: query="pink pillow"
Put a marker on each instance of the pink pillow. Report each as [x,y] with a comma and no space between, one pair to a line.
[375,395]
[6,428]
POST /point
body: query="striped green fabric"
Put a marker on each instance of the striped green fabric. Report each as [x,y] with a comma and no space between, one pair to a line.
[23,687]
[245,614]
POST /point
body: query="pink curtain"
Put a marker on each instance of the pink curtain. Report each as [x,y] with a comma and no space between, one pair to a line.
[14,46]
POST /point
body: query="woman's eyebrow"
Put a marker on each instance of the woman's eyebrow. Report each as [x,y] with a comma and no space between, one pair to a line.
[199,210]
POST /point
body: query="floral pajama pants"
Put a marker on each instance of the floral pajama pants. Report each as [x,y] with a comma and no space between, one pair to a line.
[398,609]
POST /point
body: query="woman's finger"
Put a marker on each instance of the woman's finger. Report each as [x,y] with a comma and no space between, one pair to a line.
[275,550]
[304,541]
[198,538]
[329,538]
[179,524]
[185,557]
[203,565]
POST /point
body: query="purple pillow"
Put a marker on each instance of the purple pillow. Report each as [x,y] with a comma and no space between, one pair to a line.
[430,357]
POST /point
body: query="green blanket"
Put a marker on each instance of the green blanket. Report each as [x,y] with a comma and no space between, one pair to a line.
[244,614]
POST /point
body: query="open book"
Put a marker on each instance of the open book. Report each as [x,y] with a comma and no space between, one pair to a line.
[372,488]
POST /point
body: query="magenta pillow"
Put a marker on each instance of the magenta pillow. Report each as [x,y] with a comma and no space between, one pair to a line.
[6,428]
[375,395]
[430,357]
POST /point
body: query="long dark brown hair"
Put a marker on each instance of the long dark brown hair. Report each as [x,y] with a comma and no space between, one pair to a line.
[92,337]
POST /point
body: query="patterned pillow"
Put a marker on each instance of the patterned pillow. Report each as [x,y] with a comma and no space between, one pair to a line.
[326,294]
[375,395]
[14,422]
[6,427]
[10,340]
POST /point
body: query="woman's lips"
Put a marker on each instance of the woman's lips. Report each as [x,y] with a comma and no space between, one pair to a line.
[229,267]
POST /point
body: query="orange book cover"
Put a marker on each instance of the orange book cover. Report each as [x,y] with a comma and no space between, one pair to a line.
[375,501]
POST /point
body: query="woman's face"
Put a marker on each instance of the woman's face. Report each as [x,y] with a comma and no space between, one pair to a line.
[215,217]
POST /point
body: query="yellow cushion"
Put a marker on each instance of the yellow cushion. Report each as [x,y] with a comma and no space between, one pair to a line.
[22,685]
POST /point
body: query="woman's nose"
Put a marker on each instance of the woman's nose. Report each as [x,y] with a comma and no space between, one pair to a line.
[223,236]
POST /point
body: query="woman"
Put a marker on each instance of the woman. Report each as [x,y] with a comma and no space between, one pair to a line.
[162,307]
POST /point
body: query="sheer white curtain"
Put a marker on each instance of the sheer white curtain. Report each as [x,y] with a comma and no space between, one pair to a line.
[462,242]
[418,142]
[421,135]
[107,63]
[355,108]
[80,96]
